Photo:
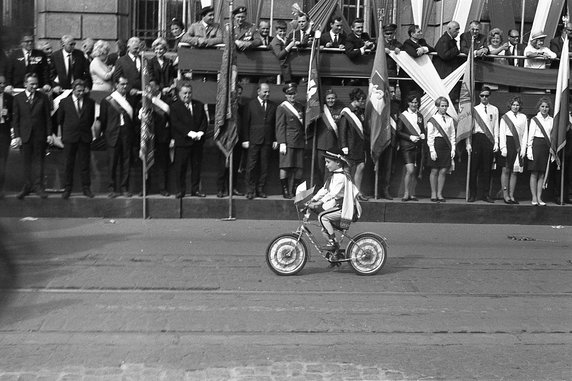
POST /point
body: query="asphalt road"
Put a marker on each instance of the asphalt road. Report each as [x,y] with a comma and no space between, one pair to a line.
[96,299]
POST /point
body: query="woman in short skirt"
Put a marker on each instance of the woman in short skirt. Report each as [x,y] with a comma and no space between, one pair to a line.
[511,158]
[538,148]
[441,142]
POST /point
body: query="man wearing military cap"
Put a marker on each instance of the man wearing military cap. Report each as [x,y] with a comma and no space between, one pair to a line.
[391,44]
[290,138]
[245,35]
[204,33]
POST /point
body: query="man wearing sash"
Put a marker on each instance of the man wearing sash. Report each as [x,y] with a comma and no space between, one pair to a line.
[118,124]
[353,136]
[512,146]
[482,145]
[258,136]
[162,134]
[327,132]
[290,139]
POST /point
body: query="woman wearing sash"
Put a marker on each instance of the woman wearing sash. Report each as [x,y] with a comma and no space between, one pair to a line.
[538,148]
[352,136]
[290,138]
[327,131]
[441,142]
[411,134]
[512,145]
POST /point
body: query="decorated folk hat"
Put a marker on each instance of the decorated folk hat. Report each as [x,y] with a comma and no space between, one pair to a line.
[339,157]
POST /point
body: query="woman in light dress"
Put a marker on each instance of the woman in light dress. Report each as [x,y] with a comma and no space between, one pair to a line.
[537,148]
[512,148]
[101,72]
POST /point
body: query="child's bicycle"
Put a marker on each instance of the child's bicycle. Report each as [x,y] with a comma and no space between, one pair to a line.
[288,253]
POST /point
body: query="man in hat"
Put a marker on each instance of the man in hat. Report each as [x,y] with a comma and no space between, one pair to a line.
[391,44]
[537,54]
[245,35]
[204,33]
[290,138]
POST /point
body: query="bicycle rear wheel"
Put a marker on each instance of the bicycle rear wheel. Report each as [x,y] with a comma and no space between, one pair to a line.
[286,254]
[367,253]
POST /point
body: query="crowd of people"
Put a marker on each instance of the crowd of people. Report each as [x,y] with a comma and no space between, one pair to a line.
[78,96]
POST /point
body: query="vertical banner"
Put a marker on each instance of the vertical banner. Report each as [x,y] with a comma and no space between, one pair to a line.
[558,133]
[547,16]
[146,149]
[313,103]
[465,124]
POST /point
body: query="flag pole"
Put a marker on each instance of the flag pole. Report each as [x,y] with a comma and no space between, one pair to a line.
[562,170]
[312,170]
[144,160]
[376,164]
[470,154]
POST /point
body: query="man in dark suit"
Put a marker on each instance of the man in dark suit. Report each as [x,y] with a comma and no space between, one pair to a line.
[480,46]
[76,115]
[27,61]
[358,42]
[264,34]
[258,138]
[129,66]
[32,128]
[447,58]
[69,64]
[557,42]
[118,125]
[161,67]
[5,126]
[515,48]
[336,37]
[188,125]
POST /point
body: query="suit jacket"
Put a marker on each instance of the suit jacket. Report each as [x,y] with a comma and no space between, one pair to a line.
[404,134]
[349,137]
[212,33]
[411,47]
[480,42]
[447,58]
[32,117]
[391,64]
[163,75]
[182,122]
[161,126]
[258,126]
[556,45]
[7,105]
[304,37]
[519,52]
[126,67]
[80,68]
[76,127]
[327,38]
[354,44]
[110,119]
[16,68]
[289,129]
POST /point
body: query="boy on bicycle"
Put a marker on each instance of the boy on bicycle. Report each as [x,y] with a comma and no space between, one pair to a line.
[337,198]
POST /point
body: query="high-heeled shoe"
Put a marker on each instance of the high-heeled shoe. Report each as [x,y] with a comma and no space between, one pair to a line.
[508,201]
[534,203]
[541,203]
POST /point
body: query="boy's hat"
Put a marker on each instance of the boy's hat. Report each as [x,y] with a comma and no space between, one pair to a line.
[339,157]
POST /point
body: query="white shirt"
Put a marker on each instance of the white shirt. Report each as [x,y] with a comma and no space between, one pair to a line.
[136,60]
[536,63]
[433,132]
[491,119]
[535,132]
[412,118]
[334,190]
[520,124]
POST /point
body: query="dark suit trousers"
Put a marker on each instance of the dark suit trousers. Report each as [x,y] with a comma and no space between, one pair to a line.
[80,150]
[34,151]
[160,169]
[119,158]
[481,163]
[258,156]
[385,168]
[183,155]
[4,150]
[223,174]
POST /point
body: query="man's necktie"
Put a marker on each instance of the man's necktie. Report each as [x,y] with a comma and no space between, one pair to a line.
[27,58]
[335,39]
[78,106]
[264,105]
[70,68]
[138,64]
[486,109]
[190,107]
[30,99]
[444,120]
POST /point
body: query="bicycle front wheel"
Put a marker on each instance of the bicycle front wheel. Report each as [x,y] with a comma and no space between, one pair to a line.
[367,253]
[286,254]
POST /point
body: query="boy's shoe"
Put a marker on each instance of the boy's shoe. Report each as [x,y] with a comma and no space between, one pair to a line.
[332,245]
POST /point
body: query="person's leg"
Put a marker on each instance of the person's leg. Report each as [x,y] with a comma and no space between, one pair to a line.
[512,186]
[125,166]
[407,179]
[252,157]
[83,158]
[112,163]
[505,175]
[533,183]
[433,182]
[358,175]
[539,187]
[441,183]
[196,164]
[70,152]
[264,160]
[4,151]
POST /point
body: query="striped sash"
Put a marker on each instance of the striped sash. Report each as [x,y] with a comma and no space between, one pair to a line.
[442,132]
[479,119]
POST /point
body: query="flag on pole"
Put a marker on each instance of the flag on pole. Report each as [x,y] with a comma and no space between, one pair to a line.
[465,124]
[225,128]
[378,104]
[147,149]
[558,133]
[313,103]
